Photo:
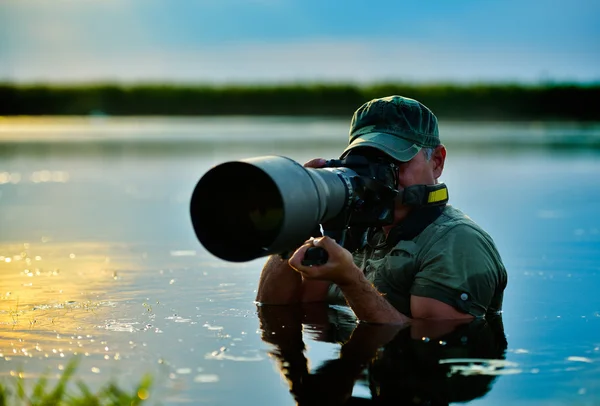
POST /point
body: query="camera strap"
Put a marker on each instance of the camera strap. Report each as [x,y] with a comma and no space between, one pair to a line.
[428,202]
[416,221]
[423,195]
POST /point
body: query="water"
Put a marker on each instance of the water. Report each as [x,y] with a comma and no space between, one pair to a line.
[98,259]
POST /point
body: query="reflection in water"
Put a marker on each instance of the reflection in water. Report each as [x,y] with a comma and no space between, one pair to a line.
[428,363]
[53,296]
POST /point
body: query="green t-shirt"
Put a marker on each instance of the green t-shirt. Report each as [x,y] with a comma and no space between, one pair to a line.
[452,260]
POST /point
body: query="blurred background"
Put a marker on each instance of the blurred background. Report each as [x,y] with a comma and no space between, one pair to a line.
[110,112]
[468,59]
[273,41]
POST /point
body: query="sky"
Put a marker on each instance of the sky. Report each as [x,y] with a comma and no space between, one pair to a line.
[274,41]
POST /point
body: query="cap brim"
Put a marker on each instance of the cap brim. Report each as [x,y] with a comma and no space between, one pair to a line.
[398,148]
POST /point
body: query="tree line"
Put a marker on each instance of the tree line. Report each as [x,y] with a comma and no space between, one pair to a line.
[448,101]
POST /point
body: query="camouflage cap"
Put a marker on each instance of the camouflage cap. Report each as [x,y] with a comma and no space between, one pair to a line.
[395,125]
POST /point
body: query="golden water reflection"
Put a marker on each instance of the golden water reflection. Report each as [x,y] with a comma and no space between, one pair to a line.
[53,295]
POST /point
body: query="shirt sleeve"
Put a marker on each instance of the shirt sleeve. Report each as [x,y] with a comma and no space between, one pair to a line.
[460,269]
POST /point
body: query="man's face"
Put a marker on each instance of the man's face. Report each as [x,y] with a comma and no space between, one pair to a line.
[420,170]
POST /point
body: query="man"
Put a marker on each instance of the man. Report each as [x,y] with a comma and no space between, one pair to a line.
[431,263]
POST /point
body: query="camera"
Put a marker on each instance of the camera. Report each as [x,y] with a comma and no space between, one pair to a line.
[243,210]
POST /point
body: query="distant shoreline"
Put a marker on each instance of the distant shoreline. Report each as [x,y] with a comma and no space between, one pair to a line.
[156,135]
[476,102]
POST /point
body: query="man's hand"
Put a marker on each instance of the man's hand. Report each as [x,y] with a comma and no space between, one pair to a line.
[339,269]
[315,163]
[366,302]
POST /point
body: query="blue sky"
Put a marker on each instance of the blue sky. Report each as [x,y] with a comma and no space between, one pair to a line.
[217,41]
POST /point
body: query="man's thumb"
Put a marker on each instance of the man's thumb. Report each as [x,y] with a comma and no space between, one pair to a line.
[323,242]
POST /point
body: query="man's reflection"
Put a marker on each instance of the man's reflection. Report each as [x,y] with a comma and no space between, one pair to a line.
[400,365]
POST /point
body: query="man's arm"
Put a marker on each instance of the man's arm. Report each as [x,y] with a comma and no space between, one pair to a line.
[366,302]
[462,270]
[427,308]
[369,305]
[279,283]
[364,299]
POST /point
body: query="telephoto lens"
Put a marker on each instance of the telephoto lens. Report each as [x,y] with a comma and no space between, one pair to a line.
[243,210]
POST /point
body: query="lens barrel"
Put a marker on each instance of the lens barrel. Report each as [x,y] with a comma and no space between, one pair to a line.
[243,210]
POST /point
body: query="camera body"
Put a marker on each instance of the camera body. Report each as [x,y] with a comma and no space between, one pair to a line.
[372,182]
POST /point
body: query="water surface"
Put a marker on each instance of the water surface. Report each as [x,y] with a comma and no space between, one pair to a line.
[98,259]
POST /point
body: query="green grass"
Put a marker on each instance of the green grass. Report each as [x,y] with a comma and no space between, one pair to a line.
[16,392]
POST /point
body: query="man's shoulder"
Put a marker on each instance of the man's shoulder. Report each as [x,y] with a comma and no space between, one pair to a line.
[455,225]
[455,232]
[458,222]
[453,215]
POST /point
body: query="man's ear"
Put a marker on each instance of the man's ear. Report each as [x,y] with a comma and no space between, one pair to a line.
[438,158]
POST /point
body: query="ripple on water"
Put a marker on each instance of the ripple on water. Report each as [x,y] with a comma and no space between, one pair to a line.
[206,378]
[183,253]
[223,354]
[474,366]
[211,327]
[120,326]
[579,359]
[179,319]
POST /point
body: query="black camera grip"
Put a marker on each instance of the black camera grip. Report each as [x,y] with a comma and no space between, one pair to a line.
[315,256]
